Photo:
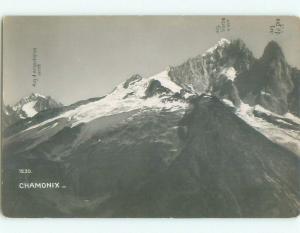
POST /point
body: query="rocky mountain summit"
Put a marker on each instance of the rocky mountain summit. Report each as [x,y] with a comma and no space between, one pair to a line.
[28,107]
[230,71]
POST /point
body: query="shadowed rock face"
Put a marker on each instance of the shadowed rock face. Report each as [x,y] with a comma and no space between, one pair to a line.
[294,96]
[199,72]
[238,56]
[268,82]
[224,168]
[226,89]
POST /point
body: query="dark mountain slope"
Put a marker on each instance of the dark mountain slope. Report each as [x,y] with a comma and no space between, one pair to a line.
[210,163]
[225,169]
[96,161]
[238,55]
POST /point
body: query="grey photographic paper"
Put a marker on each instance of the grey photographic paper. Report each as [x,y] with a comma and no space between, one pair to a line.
[150,116]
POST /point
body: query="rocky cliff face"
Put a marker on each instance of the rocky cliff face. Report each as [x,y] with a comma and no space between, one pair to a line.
[229,70]
[195,73]
[215,70]
[294,96]
[269,81]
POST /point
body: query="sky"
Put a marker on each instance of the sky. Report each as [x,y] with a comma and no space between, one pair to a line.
[87,56]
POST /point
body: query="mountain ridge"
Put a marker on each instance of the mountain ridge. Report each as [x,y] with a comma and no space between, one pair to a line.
[227,68]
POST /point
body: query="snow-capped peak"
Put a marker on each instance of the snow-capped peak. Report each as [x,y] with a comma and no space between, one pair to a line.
[38,95]
[223,41]
[220,44]
[32,104]
[26,104]
[32,96]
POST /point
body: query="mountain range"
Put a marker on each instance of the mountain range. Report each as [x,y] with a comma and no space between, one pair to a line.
[216,136]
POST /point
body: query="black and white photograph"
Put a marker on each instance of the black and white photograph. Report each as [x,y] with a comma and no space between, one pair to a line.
[150,117]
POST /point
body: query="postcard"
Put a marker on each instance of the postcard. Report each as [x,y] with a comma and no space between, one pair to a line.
[150,116]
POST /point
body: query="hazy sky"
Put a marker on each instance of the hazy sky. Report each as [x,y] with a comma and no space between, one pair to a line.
[83,57]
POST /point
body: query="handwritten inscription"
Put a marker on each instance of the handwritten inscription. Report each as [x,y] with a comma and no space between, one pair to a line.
[224,26]
[36,67]
[277,28]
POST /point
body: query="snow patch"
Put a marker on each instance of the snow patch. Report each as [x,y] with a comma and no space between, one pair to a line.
[288,138]
[292,117]
[221,43]
[39,95]
[228,102]
[288,115]
[187,95]
[29,110]
[230,73]
[54,125]
[265,93]
[282,121]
